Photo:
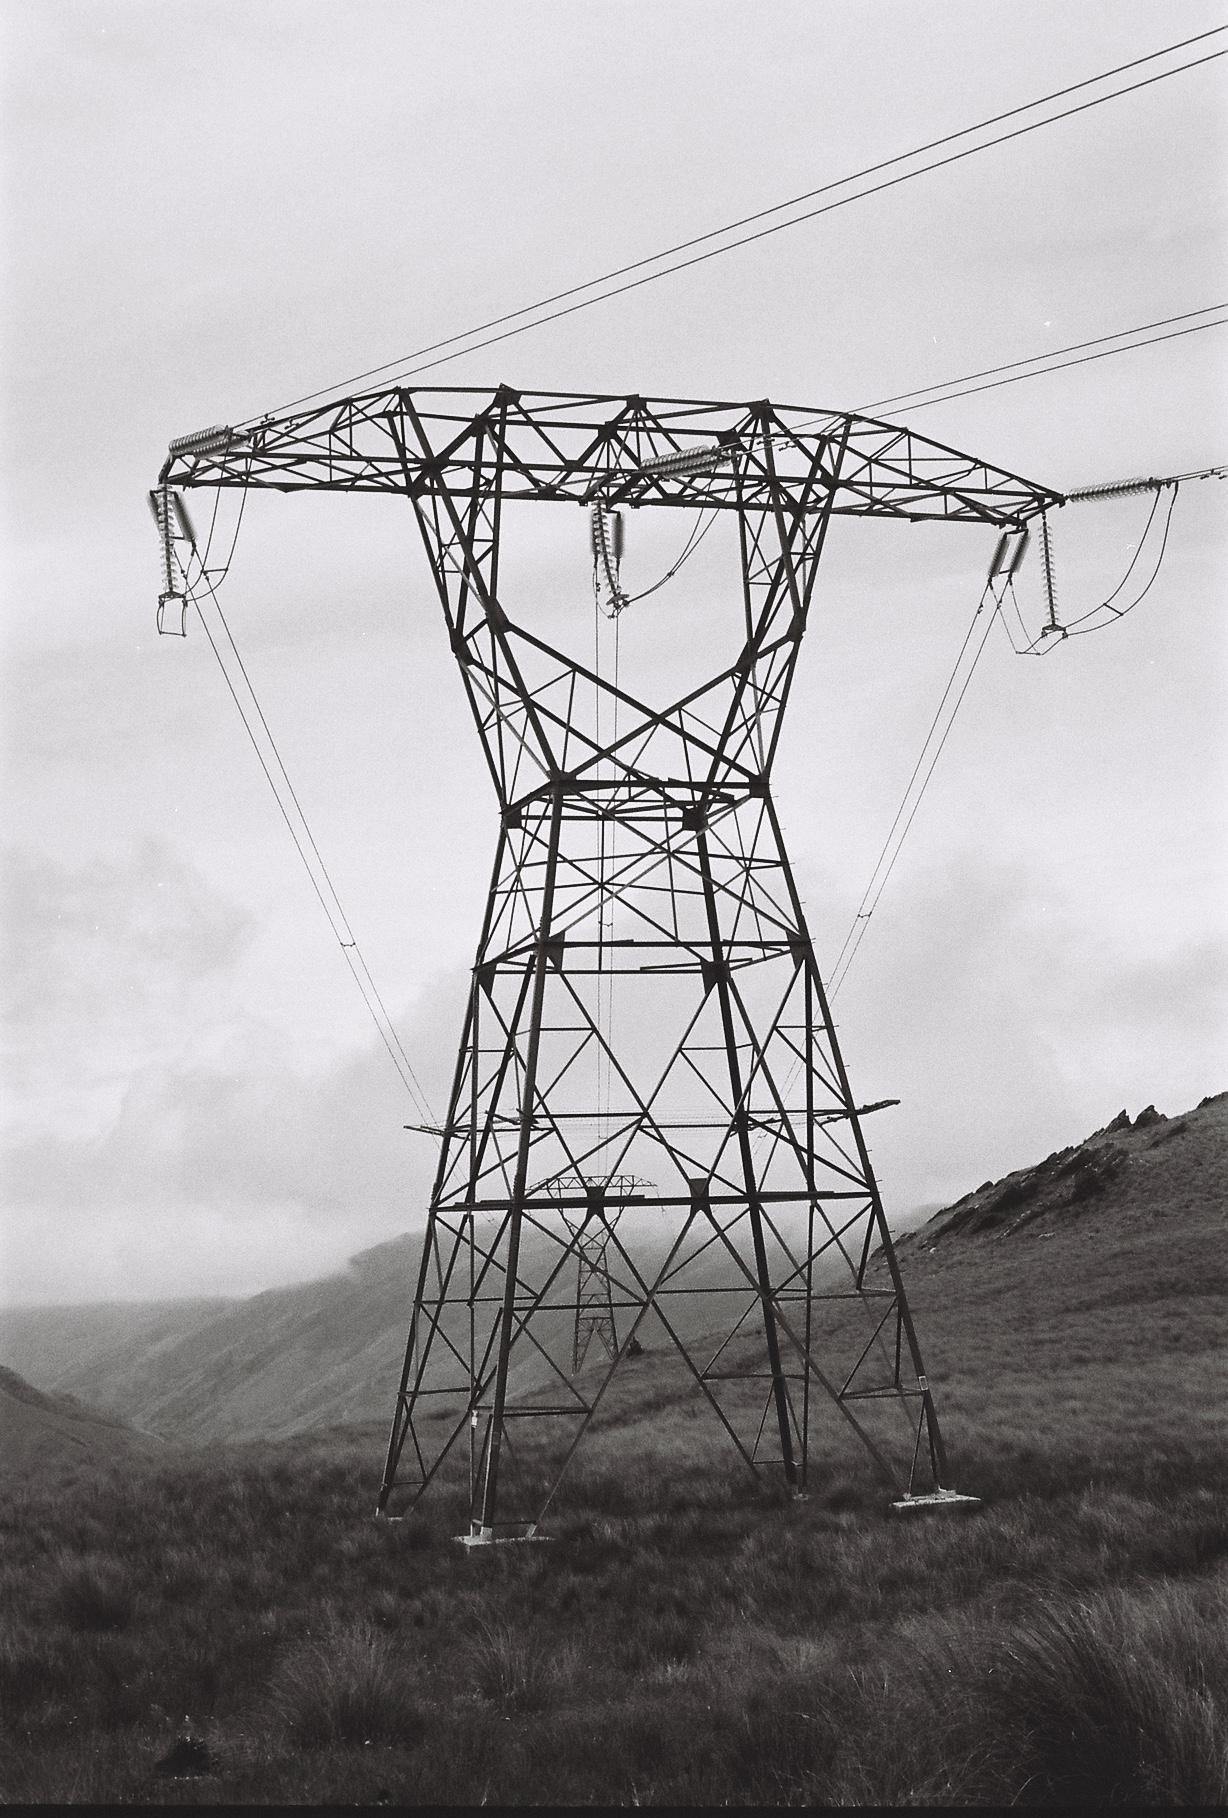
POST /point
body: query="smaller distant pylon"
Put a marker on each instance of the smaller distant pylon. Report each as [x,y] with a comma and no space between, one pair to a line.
[594,1289]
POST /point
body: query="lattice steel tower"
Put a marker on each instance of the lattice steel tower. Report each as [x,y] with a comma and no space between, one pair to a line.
[648,1076]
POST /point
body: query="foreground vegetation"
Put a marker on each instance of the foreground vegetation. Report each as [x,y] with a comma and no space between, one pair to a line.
[680,1640]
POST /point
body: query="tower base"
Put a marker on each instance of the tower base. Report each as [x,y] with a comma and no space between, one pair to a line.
[933,1500]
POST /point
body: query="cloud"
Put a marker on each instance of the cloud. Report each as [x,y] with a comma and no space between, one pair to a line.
[107,963]
[160,1141]
[214,1182]
[1009,1025]
[212,1160]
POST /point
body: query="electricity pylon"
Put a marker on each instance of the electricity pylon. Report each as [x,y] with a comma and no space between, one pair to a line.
[645,1002]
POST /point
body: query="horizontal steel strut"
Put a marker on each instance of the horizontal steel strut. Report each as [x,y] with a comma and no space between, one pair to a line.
[651,1136]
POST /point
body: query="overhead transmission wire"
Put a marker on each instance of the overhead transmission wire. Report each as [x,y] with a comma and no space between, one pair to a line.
[1053,361]
[703,524]
[407,365]
[350,947]
[892,845]
[300,833]
[1080,627]
[1041,645]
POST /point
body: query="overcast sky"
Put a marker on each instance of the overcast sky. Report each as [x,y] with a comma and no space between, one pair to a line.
[213,207]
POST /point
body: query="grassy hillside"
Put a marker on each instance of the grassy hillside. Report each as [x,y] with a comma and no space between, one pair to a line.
[1099,1273]
[93,1349]
[1137,1204]
[230,1625]
[291,1359]
[273,1364]
[41,1432]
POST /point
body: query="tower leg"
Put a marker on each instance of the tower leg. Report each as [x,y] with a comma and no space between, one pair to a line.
[483,1524]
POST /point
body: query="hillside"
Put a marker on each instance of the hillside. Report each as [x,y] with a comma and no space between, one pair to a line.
[322,1353]
[687,1638]
[75,1347]
[1098,1272]
[1105,1257]
[1155,1166]
[276,1363]
[53,1430]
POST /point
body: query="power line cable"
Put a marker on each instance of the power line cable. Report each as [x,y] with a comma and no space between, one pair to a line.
[692,544]
[1032,646]
[404,367]
[912,779]
[1057,365]
[905,397]
[873,893]
[304,839]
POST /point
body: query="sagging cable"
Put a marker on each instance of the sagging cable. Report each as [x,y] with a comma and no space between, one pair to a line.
[180,590]
[265,746]
[990,605]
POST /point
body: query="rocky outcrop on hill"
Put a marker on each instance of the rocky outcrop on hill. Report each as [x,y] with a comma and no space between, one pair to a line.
[1152,1161]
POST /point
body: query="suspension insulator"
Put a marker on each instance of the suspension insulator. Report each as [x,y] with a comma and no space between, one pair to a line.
[171,601]
[1005,559]
[1051,626]
[184,521]
[606,537]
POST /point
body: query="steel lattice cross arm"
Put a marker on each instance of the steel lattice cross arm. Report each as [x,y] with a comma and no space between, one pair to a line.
[559,447]
[645,1003]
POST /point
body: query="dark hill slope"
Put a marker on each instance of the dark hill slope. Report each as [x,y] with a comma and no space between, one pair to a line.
[1100,1274]
[38,1430]
[1100,1270]
[87,1349]
[320,1353]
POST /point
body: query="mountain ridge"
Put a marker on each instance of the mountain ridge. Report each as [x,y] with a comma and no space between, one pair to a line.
[1133,1212]
[40,1429]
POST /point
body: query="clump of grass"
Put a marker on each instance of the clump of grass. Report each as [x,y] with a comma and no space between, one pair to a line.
[347,1687]
[1120,1698]
[92,1593]
[1124,1699]
[519,1668]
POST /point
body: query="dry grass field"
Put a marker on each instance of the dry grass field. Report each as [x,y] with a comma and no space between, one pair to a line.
[228,1624]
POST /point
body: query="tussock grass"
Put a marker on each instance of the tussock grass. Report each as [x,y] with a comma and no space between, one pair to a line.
[522,1669]
[683,1639]
[93,1593]
[350,1686]
[1122,1699]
